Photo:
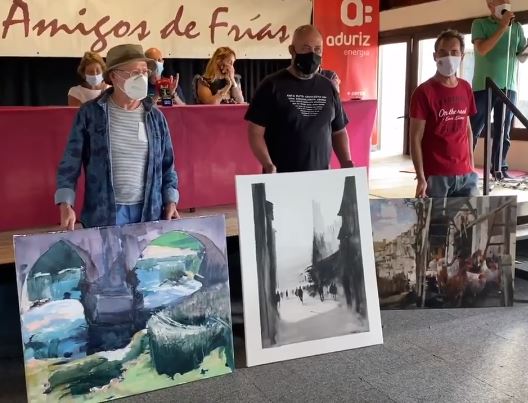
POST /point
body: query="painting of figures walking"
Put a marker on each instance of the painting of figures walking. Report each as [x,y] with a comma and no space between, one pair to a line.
[445,253]
[308,271]
[112,312]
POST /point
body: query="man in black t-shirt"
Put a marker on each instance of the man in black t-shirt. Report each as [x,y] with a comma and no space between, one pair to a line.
[332,76]
[296,117]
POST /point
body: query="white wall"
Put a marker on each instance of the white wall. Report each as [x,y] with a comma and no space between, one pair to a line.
[438,11]
[516,156]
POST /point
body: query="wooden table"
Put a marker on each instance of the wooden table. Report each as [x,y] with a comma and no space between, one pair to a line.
[7,253]
[230,213]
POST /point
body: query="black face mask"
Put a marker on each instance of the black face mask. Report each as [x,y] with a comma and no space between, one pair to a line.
[307,63]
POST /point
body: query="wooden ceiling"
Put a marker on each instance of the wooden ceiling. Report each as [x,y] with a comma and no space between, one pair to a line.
[388,4]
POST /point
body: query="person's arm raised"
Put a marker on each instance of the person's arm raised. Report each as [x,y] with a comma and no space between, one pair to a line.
[484,46]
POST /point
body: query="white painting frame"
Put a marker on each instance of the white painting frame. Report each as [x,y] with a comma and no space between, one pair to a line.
[256,354]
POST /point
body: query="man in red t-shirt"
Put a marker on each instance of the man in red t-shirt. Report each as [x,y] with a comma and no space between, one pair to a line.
[440,132]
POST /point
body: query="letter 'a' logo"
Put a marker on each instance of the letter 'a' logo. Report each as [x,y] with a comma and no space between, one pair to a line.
[362,13]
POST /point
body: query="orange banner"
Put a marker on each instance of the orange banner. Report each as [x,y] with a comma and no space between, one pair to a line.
[350,31]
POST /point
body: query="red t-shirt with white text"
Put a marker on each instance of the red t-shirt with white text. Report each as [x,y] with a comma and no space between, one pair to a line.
[445,144]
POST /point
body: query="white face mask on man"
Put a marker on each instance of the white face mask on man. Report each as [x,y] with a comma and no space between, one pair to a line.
[136,87]
[500,10]
[448,65]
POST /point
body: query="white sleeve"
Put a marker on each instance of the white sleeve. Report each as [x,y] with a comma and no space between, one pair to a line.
[74,92]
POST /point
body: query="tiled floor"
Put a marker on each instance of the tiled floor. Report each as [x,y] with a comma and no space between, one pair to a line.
[428,356]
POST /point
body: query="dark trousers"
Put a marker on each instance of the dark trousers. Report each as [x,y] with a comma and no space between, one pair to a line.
[479,120]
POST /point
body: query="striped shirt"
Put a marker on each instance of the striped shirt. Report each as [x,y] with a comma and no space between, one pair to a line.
[129,153]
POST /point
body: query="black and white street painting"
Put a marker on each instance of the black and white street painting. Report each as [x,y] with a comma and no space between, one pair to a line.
[307,264]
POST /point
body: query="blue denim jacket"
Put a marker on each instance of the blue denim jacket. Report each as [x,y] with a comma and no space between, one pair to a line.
[89,147]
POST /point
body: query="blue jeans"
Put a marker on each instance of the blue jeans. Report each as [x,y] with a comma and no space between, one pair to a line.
[128,214]
[453,186]
[479,120]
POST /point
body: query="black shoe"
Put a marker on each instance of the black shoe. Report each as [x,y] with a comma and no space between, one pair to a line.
[496,175]
[506,175]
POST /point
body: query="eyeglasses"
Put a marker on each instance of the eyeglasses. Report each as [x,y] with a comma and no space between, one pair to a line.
[136,73]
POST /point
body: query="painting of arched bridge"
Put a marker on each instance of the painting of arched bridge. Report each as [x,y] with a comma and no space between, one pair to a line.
[112,312]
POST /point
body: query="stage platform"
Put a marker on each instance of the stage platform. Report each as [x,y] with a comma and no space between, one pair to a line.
[389,177]
[393,177]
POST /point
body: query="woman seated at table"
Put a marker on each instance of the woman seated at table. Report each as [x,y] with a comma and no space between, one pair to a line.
[91,71]
[220,84]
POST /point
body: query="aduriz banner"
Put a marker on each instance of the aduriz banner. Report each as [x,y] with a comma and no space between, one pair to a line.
[350,33]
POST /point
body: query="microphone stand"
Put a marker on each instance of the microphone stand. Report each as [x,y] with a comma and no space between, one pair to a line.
[498,169]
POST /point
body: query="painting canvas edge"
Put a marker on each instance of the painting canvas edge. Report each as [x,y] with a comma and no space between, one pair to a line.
[214,220]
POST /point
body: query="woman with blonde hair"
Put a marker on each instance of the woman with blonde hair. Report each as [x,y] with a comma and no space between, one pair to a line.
[91,70]
[219,84]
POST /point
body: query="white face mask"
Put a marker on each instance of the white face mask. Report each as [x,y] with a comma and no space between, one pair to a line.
[500,10]
[448,66]
[94,81]
[136,87]
[159,68]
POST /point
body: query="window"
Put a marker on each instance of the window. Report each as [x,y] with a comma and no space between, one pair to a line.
[427,69]
[391,94]
[427,65]
[468,63]
[421,65]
